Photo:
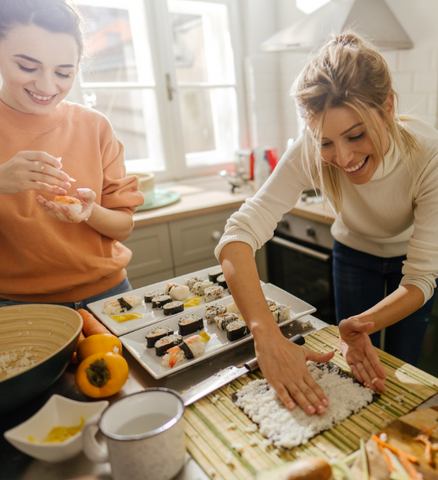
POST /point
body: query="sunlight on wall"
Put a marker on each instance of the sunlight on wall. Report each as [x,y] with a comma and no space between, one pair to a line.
[309,6]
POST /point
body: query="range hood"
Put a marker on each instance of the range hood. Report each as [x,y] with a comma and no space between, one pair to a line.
[371,18]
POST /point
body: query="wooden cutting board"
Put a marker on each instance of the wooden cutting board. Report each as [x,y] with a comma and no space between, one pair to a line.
[401,433]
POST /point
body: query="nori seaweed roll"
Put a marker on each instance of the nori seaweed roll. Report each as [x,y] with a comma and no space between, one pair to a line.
[160,301]
[173,307]
[124,304]
[214,273]
[150,295]
[221,281]
[154,334]
[236,330]
[214,310]
[223,320]
[163,344]
[190,324]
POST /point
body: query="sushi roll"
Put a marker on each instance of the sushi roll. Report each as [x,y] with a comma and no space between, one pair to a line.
[121,305]
[213,293]
[154,334]
[163,344]
[271,303]
[70,202]
[190,324]
[223,320]
[178,292]
[236,330]
[199,287]
[214,273]
[214,310]
[281,313]
[173,307]
[190,348]
[221,281]
[159,302]
[233,308]
[190,281]
[150,295]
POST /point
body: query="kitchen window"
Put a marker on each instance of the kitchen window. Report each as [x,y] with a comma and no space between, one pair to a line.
[168,77]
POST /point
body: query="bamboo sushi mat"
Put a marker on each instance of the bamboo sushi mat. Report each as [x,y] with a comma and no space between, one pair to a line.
[210,439]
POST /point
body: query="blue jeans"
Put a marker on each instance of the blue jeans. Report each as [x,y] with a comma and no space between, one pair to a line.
[122,287]
[360,281]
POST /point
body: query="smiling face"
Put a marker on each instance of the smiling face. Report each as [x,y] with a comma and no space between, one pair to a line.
[38,68]
[346,142]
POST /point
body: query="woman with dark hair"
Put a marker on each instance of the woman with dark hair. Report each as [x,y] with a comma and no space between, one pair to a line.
[51,253]
[379,172]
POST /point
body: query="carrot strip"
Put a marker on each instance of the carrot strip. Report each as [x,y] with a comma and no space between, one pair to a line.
[393,449]
[74,358]
[92,326]
[385,456]
[412,471]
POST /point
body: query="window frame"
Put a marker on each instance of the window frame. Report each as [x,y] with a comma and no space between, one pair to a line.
[166,90]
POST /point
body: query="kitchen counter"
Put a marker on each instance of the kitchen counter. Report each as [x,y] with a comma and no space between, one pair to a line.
[15,465]
[212,195]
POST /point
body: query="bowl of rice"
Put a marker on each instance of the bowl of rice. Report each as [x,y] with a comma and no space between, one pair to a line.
[37,342]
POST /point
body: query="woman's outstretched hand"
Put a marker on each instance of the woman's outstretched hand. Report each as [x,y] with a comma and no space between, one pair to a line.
[284,366]
[360,354]
[33,170]
[64,213]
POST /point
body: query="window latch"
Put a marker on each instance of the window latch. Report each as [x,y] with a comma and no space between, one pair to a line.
[170,89]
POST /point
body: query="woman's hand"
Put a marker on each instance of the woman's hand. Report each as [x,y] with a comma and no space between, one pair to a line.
[33,170]
[64,213]
[360,354]
[284,366]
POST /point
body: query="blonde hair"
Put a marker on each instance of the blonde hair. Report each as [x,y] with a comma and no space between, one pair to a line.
[346,72]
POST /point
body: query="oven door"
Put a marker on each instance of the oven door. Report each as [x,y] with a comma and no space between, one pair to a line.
[304,270]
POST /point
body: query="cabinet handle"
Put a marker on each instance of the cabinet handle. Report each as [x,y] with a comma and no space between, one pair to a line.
[216,235]
[300,248]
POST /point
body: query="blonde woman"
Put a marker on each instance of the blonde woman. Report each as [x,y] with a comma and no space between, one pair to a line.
[379,172]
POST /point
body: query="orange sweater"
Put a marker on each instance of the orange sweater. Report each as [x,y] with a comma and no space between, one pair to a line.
[49,261]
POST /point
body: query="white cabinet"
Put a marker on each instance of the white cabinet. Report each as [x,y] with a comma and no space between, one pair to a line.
[167,250]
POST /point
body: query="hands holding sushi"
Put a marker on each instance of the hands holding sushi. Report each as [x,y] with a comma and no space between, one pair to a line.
[360,353]
[33,170]
[64,213]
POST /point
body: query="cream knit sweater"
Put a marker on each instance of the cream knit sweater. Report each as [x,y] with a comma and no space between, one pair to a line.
[395,213]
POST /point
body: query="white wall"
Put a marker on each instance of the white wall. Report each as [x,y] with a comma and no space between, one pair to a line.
[269,76]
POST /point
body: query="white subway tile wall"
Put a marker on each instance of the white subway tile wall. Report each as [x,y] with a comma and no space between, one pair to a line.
[272,113]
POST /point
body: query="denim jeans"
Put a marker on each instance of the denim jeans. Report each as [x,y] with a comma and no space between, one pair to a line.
[360,281]
[122,287]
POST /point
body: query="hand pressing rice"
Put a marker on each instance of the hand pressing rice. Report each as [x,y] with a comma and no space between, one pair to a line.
[290,428]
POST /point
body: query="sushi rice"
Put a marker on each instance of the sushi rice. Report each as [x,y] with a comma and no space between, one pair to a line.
[114,307]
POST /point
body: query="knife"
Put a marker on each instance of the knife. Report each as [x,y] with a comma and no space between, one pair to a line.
[224,377]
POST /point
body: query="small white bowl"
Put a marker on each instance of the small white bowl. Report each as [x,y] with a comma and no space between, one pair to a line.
[57,411]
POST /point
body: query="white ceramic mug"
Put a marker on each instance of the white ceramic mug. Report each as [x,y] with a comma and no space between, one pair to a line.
[143,433]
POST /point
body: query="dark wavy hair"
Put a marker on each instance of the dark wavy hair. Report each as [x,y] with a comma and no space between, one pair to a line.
[57,16]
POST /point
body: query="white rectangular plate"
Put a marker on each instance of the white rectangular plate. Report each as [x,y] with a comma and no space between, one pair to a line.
[150,315]
[135,342]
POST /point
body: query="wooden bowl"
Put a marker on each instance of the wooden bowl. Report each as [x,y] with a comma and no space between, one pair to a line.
[37,342]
